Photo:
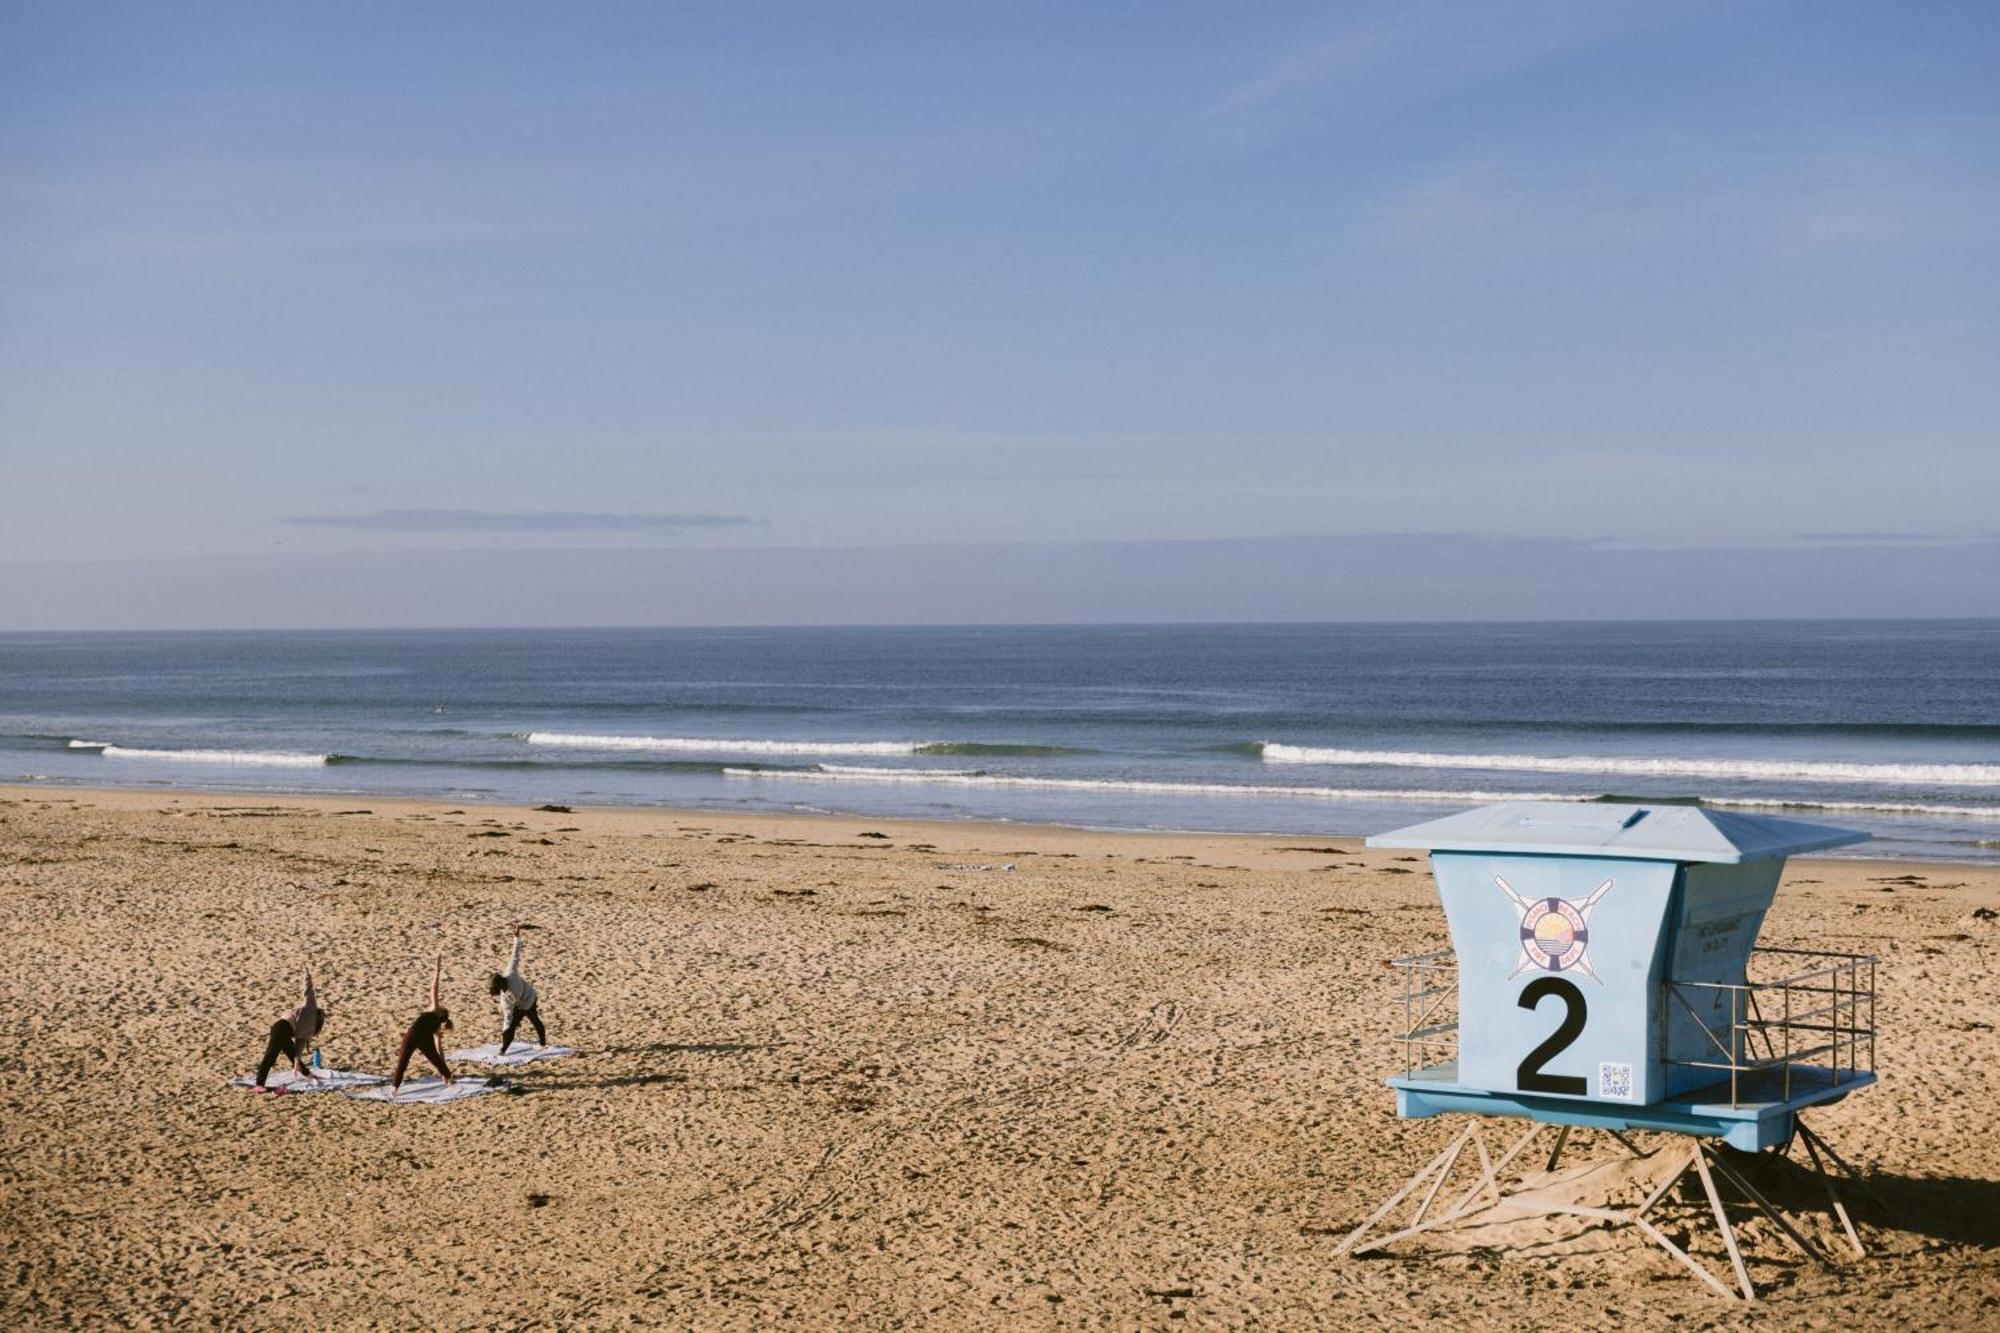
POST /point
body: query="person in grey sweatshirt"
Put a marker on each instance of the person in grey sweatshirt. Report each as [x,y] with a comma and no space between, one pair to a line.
[291,1037]
[517,999]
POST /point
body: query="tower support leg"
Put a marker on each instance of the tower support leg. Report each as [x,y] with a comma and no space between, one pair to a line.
[1813,1144]
[1704,1161]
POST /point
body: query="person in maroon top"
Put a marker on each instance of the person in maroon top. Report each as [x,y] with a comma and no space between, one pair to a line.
[422,1037]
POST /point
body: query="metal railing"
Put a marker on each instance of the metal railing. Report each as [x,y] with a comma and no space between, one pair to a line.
[1816,1023]
[1429,1009]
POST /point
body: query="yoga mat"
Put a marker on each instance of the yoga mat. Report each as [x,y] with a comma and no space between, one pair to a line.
[427,1091]
[329,1080]
[520,1053]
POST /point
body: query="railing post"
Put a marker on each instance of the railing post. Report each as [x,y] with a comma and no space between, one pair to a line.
[1788,1042]
[1407,972]
[1836,1029]
[1735,1041]
[1853,1016]
[1871,1014]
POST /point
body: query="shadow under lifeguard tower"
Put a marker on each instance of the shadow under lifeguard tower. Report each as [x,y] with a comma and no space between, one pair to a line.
[1604,975]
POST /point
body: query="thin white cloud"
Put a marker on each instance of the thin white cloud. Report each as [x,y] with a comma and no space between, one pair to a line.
[1416,49]
[1307,65]
[1839,187]
[1897,538]
[485,520]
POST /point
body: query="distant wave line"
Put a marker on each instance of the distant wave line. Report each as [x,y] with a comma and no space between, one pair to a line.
[1987,813]
[1602,726]
[979,778]
[835,773]
[886,774]
[704,745]
[716,745]
[255,758]
[1952,775]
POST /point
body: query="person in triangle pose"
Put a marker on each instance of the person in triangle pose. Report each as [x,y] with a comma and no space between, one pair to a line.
[292,1036]
[422,1035]
[517,998]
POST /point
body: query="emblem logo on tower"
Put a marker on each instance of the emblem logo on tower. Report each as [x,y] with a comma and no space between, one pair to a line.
[1554,931]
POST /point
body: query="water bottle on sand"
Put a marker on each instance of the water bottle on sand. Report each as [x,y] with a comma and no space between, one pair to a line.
[316,1063]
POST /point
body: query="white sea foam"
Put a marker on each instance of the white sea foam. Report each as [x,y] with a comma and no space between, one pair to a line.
[910,774]
[89,745]
[978,778]
[943,777]
[261,758]
[1946,775]
[1984,813]
[705,745]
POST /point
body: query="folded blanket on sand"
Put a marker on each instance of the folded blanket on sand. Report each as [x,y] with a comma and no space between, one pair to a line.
[329,1080]
[429,1091]
[520,1053]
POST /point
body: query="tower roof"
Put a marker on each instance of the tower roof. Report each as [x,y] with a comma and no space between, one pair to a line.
[1638,831]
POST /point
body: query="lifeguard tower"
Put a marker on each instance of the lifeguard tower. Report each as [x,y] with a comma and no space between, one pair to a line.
[1604,974]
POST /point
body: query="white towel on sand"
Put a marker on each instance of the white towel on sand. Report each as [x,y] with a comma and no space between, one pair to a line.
[520,1053]
[428,1091]
[329,1080]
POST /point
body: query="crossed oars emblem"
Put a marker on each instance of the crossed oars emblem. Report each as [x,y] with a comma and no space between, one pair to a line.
[1554,931]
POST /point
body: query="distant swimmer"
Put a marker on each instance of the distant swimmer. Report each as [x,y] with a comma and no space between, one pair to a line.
[517,999]
[292,1036]
[422,1037]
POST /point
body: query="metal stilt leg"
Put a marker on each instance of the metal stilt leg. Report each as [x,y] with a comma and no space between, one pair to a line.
[1722,1221]
[1811,1141]
[1701,1159]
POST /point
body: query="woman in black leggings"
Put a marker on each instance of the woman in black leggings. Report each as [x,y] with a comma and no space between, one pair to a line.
[292,1036]
[422,1037]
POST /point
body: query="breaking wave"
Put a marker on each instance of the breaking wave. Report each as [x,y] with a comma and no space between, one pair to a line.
[1948,775]
[856,771]
[978,778]
[704,745]
[1985,813]
[711,745]
[255,758]
[975,778]
[970,748]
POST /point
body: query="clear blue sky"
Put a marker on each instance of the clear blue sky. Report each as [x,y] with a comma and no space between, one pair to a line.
[287,281]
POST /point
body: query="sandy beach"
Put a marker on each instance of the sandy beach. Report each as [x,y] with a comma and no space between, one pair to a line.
[842,1072]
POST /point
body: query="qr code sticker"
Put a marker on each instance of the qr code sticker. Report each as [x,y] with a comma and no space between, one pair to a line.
[1614,1081]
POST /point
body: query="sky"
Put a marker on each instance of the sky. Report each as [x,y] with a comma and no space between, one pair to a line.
[973,299]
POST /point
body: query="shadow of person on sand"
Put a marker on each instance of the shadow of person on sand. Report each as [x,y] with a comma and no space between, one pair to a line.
[694,1048]
[599,1084]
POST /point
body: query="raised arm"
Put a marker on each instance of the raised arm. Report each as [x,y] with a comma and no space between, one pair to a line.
[514,963]
[437,977]
[302,1039]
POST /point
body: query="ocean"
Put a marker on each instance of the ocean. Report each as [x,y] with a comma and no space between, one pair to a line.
[1892,727]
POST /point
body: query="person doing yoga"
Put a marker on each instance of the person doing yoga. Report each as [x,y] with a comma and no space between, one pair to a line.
[422,1038]
[517,999]
[292,1036]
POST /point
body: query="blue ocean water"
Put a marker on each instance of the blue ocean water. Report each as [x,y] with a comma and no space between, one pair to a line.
[1305,729]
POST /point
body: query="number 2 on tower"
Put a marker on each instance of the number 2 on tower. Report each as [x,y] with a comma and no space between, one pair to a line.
[1529,1076]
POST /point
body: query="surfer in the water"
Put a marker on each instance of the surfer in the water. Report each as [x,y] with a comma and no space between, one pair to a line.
[517,999]
[291,1037]
[422,1037]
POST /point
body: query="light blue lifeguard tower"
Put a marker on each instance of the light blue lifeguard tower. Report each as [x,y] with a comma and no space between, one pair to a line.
[1604,974]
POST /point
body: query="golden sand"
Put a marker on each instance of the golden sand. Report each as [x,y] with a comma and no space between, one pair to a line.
[953,1076]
